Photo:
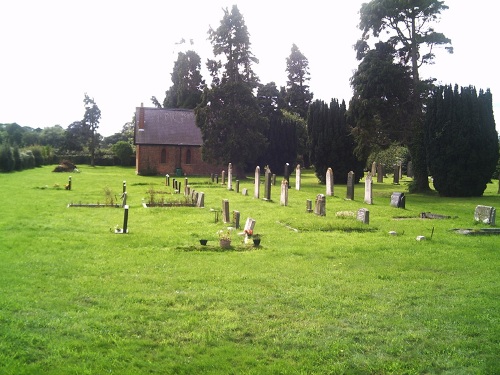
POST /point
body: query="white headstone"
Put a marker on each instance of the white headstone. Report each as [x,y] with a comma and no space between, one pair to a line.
[297,177]
[229,177]
[329,182]
[368,189]
[257,182]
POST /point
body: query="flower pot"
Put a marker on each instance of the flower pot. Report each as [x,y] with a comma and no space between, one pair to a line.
[225,244]
[256,242]
[203,242]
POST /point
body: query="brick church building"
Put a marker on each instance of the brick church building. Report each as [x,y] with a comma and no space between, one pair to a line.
[169,142]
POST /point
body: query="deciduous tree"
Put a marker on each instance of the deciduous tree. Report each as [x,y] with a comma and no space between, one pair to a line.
[90,121]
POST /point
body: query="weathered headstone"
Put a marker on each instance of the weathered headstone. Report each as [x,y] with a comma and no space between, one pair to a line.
[249,224]
[350,185]
[363,216]
[320,205]
[273,179]
[225,211]
[284,193]
[398,200]
[167,180]
[201,200]
[297,177]
[485,214]
[286,174]
[237,186]
[374,168]
[409,169]
[256,192]
[267,185]
[223,177]
[380,173]
[368,189]
[229,177]
[309,206]
[396,175]
[329,182]
[244,191]
[236,219]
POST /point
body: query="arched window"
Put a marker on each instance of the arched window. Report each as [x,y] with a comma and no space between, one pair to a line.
[163,157]
[188,156]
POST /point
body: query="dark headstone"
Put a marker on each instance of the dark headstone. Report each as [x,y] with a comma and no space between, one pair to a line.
[398,200]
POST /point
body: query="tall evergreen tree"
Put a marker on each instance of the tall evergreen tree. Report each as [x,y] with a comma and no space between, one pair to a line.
[90,122]
[298,95]
[462,140]
[232,127]
[408,26]
[331,142]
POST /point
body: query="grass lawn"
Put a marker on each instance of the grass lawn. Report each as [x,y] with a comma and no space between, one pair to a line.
[321,295]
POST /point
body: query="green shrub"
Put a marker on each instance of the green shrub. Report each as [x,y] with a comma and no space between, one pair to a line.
[7,162]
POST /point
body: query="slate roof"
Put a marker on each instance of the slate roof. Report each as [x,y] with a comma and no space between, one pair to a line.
[164,126]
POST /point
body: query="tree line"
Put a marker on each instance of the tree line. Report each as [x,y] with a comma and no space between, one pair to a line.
[392,115]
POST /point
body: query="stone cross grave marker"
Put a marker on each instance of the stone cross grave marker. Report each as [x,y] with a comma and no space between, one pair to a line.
[329,182]
[297,177]
[320,205]
[256,192]
[363,216]
[284,193]
[368,189]
[398,200]
[485,214]
[350,185]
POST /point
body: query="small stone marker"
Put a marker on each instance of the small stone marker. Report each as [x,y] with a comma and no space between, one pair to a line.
[244,191]
[223,177]
[368,189]
[297,177]
[329,182]
[309,206]
[320,206]
[420,238]
[167,180]
[225,211]
[229,177]
[485,214]
[68,187]
[200,202]
[363,216]
[398,200]
[350,185]
[256,192]
[284,193]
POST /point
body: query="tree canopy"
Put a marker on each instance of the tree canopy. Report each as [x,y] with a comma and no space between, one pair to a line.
[90,122]
[298,96]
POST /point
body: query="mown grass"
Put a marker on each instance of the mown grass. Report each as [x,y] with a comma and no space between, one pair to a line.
[321,295]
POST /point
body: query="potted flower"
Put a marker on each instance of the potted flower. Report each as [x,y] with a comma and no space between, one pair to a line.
[224,238]
[248,235]
[256,240]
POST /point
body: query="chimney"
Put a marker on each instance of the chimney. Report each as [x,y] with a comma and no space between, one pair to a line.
[141,117]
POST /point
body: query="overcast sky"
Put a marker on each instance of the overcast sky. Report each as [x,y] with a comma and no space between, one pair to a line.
[122,52]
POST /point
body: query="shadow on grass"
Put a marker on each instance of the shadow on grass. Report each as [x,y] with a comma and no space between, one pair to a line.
[218,249]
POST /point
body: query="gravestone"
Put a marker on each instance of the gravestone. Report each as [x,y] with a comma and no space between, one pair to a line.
[284,193]
[244,191]
[223,177]
[249,224]
[398,200]
[368,189]
[374,168]
[297,177]
[225,211]
[124,230]
[485,214]
[400,169]
[309,206]
[217,179]
[273,179]
[329,182]
[236,219]
[68,187]
[179,186]
[256,192]
[267,185]
[350,185]
[396,175]
[409,169]
[286,174]
[201,200]
[320,205]
[363,216]
[237,186]
[380,173]
[167,180]
[229,177]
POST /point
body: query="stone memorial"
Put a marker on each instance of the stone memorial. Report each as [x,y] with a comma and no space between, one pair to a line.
[201,200]
[249,224]
[350,186]
[237,186]
[485,214]
[309,206]
[374,168]
[284,193]
[329,182]
[267,185]
[244,191]
[363,216]
[398,200]
[225,211]
[297,177]
[256,192]
[368,189]
[229,177]
[236,219]
[320,205]
[223,177]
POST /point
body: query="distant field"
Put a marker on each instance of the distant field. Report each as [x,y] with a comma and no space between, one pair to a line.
[321,295]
